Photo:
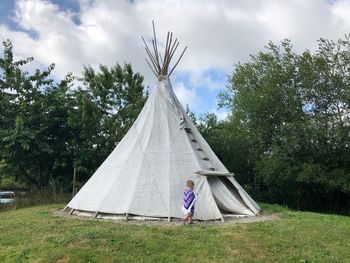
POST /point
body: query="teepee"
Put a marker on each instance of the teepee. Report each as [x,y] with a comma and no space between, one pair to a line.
[146,173]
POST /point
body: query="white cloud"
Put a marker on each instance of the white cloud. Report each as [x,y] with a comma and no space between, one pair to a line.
[341,12]
[222,114]
[185,95]
[218,33]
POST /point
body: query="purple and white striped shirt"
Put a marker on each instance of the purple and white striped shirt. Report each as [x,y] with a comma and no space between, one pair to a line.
[188,198]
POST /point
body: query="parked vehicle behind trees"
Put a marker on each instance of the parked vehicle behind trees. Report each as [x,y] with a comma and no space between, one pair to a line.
[7,197]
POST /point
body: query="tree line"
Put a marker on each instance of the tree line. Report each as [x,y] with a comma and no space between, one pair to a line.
[287,136]
[49,126]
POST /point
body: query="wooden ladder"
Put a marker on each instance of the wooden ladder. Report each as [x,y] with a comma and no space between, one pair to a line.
[200,150]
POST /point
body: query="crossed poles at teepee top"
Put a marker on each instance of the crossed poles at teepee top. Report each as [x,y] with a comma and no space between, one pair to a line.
[159,65]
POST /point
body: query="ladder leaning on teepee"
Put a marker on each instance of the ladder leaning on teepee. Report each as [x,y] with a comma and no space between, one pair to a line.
[200,150]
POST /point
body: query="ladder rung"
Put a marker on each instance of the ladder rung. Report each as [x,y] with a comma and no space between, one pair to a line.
[200,149]
[194,140]
[211,169]
[188,130]
[205,159]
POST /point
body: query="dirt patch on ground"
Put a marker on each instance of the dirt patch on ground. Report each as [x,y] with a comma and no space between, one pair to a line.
[228,219]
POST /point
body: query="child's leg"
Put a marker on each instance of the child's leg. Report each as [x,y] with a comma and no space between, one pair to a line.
[186,217]
[190,217]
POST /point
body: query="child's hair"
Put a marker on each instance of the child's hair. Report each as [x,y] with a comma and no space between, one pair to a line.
[190,183]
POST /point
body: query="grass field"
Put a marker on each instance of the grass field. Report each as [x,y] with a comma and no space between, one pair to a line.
[36,235]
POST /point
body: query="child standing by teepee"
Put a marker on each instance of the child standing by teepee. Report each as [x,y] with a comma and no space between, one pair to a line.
[189,199]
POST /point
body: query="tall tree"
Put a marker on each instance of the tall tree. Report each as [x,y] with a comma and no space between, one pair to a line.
[105,107]
[48,127]
[293,113]
[32,120]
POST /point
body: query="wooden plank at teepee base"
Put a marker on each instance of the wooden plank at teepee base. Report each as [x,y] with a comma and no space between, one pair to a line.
[71,212]
[214,173]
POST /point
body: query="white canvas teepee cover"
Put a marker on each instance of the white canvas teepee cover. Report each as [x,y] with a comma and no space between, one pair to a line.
[147,172]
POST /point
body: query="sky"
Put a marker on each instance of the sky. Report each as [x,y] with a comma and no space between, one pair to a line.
[218,34]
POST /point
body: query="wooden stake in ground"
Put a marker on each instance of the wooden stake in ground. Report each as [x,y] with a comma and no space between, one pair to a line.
[74,182]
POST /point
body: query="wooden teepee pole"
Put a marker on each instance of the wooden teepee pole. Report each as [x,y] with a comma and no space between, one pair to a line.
[159,66]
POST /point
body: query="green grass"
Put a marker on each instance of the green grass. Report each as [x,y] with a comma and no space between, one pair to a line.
[36,235]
